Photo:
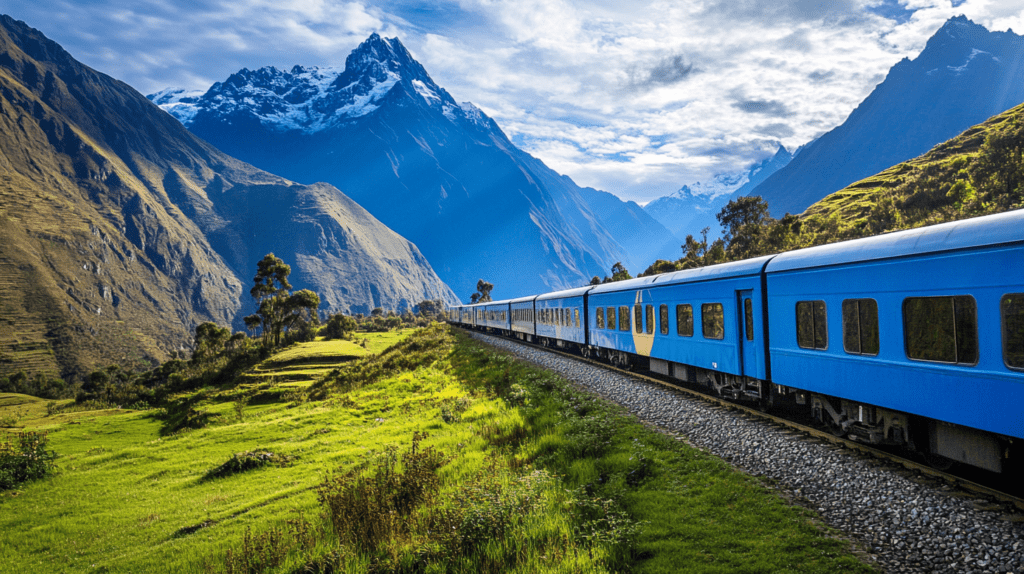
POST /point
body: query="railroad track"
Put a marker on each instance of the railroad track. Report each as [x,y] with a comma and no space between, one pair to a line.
[953,480]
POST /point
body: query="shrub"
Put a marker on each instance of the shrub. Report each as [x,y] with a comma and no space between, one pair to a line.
[249,460]
[25,459]
[367,511]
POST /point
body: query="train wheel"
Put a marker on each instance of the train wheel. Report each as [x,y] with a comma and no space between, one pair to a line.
[585,351]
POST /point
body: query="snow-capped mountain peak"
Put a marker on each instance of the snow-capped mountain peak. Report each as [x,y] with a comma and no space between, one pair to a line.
[310,99]
[720,184]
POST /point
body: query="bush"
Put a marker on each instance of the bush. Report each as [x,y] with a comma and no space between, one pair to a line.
[249,460]
[25,459]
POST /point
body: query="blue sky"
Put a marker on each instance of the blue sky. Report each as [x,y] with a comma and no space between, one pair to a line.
[633,97]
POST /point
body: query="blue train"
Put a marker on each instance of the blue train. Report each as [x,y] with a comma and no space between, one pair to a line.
[914,338]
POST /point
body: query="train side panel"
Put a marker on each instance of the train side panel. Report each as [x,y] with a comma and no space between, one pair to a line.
[961,373]
[560,318]
[716,325]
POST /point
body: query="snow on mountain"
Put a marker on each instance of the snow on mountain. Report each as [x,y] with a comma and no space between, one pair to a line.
[178,102]
[441,173]
[311,99]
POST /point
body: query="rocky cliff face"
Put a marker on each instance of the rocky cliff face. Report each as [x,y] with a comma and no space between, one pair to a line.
[121,230]
[439,172]
[964,75]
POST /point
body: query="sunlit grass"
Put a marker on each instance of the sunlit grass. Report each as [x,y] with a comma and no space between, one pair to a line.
[538,478]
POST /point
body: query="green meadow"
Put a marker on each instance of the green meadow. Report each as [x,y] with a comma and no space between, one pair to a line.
[420,451]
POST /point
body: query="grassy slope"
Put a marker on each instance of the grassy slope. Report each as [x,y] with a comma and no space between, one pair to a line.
[919,188]
[126,497]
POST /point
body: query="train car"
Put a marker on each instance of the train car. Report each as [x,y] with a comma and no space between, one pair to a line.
[561,317]
[493,316]
[914,337]
[705,325]
[522,315]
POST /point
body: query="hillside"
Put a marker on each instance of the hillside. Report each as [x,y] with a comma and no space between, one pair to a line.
[978,172]
[121,231]
[964,75]
[439,172]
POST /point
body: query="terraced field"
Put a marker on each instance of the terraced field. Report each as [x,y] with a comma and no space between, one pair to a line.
[302,364]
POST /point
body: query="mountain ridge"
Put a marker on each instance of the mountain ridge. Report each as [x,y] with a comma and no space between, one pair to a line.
[964,75]
[441,173]
[121,227]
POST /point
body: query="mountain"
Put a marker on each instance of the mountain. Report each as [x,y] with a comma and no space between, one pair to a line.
[122,230]
[978,172]
[439,172]
[693,207]
[964,75]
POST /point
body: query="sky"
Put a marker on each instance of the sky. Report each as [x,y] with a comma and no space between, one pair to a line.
[634,97]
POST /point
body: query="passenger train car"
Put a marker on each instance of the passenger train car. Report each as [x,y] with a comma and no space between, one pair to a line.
[913,338]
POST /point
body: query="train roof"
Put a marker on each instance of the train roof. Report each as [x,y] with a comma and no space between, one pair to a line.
[565,293]
[721,271]
[989,230]
[523,299]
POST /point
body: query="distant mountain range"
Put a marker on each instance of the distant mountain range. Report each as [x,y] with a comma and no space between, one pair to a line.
[964,75]
[694,206]
[439,172]
[122,230]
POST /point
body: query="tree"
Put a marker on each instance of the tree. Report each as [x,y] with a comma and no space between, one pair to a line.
[619,272]
[210,340]
[484,289]
[429,308]
[339,327]
[745,221]
[473,298]
[658,267]
[278,309]
[699,253]
[596,280]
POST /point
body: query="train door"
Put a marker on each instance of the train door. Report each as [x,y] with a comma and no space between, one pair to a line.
[748,350]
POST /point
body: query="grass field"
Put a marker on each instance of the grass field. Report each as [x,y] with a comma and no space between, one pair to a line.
[534,477]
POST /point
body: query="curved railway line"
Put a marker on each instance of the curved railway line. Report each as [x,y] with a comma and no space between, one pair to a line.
[947,476]
[909,517]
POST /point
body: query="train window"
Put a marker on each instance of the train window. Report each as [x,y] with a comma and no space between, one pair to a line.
[942,329]
[860,326]
[712,320]
[811,325]
[748,314]
[611,318]
[663,319]
[1013,330]
[649,318]
[576,314]
[638,318]
[684,320]
[600,317]
[623,318]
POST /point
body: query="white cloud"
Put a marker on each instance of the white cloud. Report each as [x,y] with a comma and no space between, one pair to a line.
[633,97]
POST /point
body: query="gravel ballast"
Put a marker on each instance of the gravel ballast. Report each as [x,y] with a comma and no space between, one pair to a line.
[907,525]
